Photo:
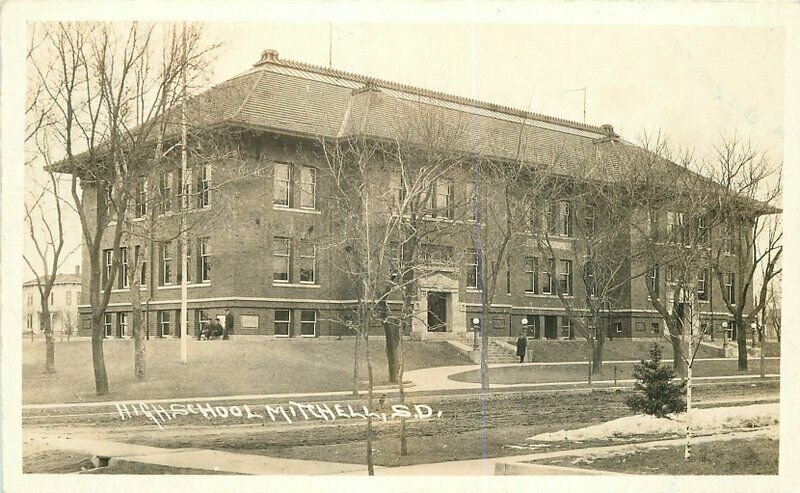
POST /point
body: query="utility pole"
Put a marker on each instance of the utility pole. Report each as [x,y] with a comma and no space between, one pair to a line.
[584,100]
[330,45]
[184,208]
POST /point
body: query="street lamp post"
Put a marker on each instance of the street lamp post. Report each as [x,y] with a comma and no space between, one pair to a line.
[476,327]
[725,337]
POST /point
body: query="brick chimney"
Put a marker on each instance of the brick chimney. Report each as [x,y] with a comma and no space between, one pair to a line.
[608,129]
[267,56]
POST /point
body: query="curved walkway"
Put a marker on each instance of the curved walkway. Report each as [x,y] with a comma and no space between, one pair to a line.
[431,379]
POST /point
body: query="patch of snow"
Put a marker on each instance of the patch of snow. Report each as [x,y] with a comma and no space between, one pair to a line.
[703,421]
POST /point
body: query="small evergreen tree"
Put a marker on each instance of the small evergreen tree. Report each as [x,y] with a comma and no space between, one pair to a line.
[654,391]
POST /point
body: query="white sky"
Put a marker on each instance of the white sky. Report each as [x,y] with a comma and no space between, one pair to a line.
[691,83]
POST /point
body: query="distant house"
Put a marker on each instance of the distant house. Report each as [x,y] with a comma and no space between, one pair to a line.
[63,305]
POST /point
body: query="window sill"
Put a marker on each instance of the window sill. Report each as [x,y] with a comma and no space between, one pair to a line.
[308,335]
[295,285]
[282,336]
[474,290]
[296,209]
[177,286]
[127,290]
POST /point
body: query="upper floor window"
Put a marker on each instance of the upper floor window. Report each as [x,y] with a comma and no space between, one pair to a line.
[442,202]
[203,185]
[107,325]
[702,283]
[590,222]
[165,192]
[166,263]
[676,230]
[550,217]
[108,261]
[472,269]
[547,276]
[122,324]
[123,265]
[204,251]
[730,287]
[702,230]
[566,277]
[396,191]
[308,187]
[565,212]
[730,240]
[281,185]
[653,281]
[591,282]
[143,267]
[307,258]
[30,300]
[531,268]
[141,198]
[281,256]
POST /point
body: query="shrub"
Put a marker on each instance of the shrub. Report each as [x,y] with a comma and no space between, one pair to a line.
[654,391]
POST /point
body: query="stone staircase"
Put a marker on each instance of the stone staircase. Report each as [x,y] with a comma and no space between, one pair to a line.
[500,351]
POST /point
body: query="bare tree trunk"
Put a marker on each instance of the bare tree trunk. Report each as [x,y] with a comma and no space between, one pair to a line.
[355,364]
[50,345]
[741,343]
[678,362]
[597,353]
[370,383]
[139,364]
[392,332]
[98,360]
[687,452]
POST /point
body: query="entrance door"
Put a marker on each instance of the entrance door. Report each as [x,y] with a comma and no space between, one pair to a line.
[437,312]
[550,327]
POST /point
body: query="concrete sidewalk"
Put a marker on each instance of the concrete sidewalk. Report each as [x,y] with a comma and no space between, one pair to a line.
[219,461]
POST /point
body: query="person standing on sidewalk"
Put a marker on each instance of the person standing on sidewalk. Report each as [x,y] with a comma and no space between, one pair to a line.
[522,346]
[228,325]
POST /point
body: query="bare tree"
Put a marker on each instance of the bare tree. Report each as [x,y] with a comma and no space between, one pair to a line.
[750,240]
[108,97]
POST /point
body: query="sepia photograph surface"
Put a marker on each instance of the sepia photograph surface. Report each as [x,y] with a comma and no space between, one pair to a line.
[347,243]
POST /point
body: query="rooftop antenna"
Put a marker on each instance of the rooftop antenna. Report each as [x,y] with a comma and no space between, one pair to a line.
[584,99]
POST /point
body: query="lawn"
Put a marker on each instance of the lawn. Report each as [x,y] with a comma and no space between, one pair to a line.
[567,373]
[755,456]
[238,366]
[546,351]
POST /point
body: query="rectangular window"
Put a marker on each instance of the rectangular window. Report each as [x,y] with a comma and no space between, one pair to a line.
[443,198]
[307,258]
[472,270]
[69,297]
[566,277]
[52,296]
[283,320]
[30,300]
[653,281]
[547,276]
[108,260]
[203,319]
[591,282]
[308,323]
[166,263]
[531,268]
[590,222]
[565,211]
[702,231]
[552,220]
[639,326]
[281,185]
[165,191]
[141,198]
[308,187]
[163,323]
[618,327]
[730,240]
[396,191]
[122,324]
[281,255]
[566,328]
[30,321]
[676,231]
[702,283]
[472,201]
[249,322]
[203,186]
[730,287]
[107,325]
[123,267]
[143,269]
[655,327]
[205,259]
